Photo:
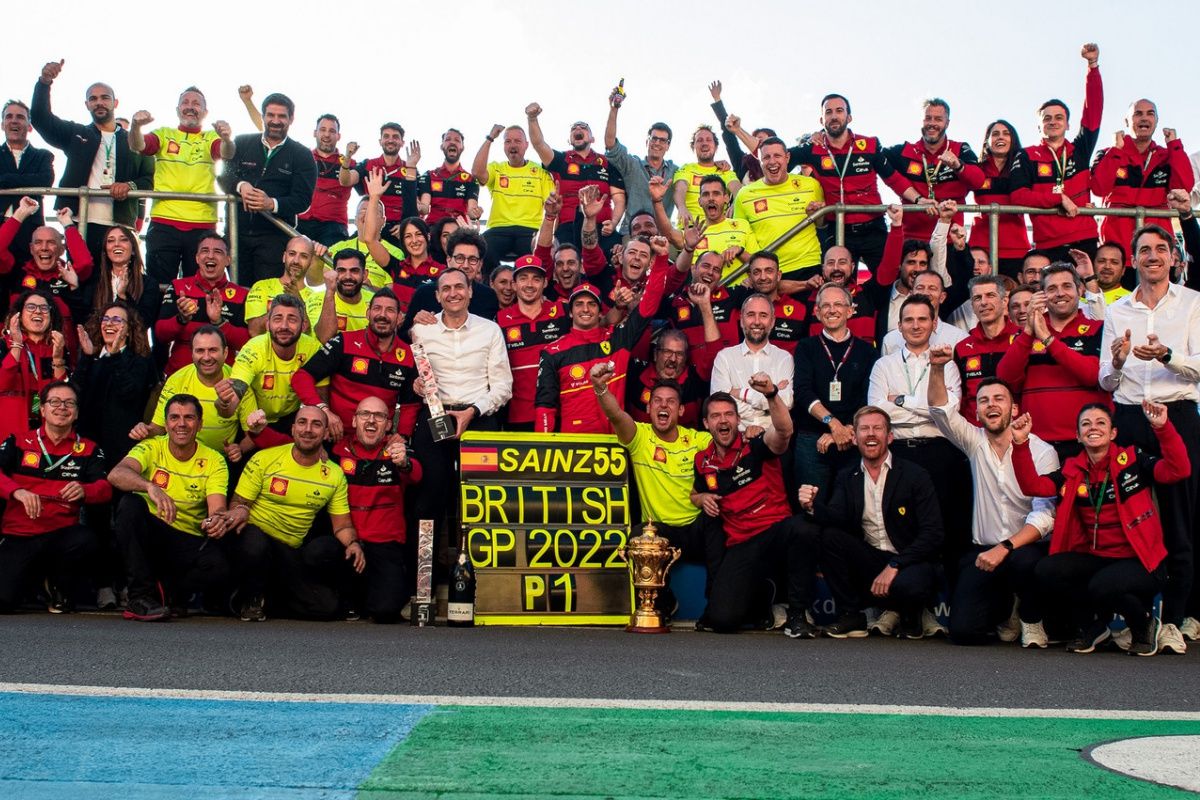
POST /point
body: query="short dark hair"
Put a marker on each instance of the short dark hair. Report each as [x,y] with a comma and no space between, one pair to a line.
[1054,101]
[565,246]
[450,271]
[350,254]
[1059,267]
[714,179]
[329,117]
[20,103]
[289,301]
[1035,252]
[44,394]
[215,236]
[936,101]
[384,293]
[996,280]
[994,381]
[211,330]
[772,139]
[716,397]
[466,236]
[184,400]
[641,212]
[392,126]
[1116,246]
[1157,230]
[918,300]
[841,97]
[453,130]
[770,132]
[279,99]
[661,126]
[665,384]
[932,272]
[764,254]
[911,246]
[1093,407]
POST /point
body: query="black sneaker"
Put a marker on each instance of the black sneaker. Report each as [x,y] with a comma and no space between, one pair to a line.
[56,601]
[252,610]
[703,625]
[145,609]
[911,626]
[798,627]
[851,625]
[1145,643]
[1088,640]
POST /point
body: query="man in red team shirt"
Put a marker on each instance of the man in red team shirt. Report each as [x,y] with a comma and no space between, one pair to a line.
[1054,173]
[977,355]
[400,197]
[449,190]
[935,169]
[378,468]
[325,220]
[530,325]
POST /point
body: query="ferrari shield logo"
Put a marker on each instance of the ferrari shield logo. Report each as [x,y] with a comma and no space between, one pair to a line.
[606,347]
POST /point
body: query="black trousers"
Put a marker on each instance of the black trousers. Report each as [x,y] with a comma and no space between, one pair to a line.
[951,474]
[1062,252]
[171,252]
[1066,448]
[982,600]
[260,256]
[850,566]
[327,233]
[154,551]
[381,590]
[731,597]
[63,556]
[1178,504]
[1093,587]
[302,580]
[506,243]
[864,240]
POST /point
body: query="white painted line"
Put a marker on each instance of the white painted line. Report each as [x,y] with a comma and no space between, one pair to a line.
[1166,760]
[598,703]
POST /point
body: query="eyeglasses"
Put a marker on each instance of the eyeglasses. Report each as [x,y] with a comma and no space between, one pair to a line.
[831,306]
[113,320]
[676,353]
[37,308]
[380,415]
[58,402]
[660,139]
[459,258]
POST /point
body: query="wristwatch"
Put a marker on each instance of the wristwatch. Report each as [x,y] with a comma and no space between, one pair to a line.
[1008,545]
[900,400]
[894,564]
[1166,359]
[828,418]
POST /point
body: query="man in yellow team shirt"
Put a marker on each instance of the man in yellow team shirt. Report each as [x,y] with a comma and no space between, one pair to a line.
[298,256]
[265,367]
[778,202]
[167,525]
[184,161]
[518,188]
[274,507]
[662,454]
[342,305]
[199,379]
[688,178]
[734,239]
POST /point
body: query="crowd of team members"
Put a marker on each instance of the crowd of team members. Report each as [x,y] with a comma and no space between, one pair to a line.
[1025,437]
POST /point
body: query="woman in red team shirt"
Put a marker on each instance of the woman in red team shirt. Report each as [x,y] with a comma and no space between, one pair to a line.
[414,238]
[1106,553]
[1000,144]
[34,355]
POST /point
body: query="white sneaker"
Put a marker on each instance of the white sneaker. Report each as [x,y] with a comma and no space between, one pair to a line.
[1190,629]
[1123,638]
[885,624]
[779,615]
[1170,640]
[1033,635]
[930,625]
[1011,629]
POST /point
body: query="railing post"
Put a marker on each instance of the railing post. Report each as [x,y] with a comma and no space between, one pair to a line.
[1140,219]
[81,217]
[231,233]
[840,226]
[994,238]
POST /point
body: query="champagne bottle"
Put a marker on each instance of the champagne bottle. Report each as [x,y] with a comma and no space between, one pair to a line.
[460,610]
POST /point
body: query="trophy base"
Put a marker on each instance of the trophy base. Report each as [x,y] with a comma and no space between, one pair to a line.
[443,427]
[422,615]
[646,623]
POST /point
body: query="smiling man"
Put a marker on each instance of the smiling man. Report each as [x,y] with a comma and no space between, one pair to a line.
[978,355]
[449,190]
[734,366]
[22,164]
[777,203]
[341,304]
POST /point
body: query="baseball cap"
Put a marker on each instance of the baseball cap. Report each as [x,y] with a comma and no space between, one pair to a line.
[584,288]
[528,262]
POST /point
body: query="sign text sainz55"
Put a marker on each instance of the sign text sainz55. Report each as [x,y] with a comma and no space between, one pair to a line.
[546,516]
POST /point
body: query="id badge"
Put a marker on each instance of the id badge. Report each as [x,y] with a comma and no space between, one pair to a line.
[1058,188]
[835,391]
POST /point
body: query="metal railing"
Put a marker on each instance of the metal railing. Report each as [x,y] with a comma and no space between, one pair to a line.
[230,201]
[992,211]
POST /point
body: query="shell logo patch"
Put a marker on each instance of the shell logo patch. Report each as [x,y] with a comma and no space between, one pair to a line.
[359,366]
[1082,490]
[1038,347]
[514,334]
[914,168]
[696,180]
[30,459]
[29,282]
[660,455]
[710,481]
[702,244]
[435,186]
[826,162]
[684,313]
[268,381]
[1043,170]
[576,372]
[1123,459]
[645,395]
[173,148]
[572,169]
[230,292]
[760,206]
[503,182]
[987,183]
[1122,172]
[279,486]
[348,466]
[973,363]
[341,321]
[161,478]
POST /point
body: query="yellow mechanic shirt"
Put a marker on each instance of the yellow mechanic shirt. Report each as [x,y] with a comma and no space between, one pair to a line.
[1114,294]
[188,483]
[215,431]
[259,298]
[665,471]
[377,276]
[285,496]
[773,210]
[270,377]
[183,162]
[691,175]
[726,234]
[517,194]
[350,316]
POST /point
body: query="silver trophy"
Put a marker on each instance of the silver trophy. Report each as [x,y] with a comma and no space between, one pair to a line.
[441,425]
[422,602]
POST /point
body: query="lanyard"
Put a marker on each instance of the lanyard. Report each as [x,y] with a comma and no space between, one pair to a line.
[841,173]
[110,144]
[912,387]
[36,402]
[1061,167]
[838,367]
[54,464]
[1096,501]
[931,172]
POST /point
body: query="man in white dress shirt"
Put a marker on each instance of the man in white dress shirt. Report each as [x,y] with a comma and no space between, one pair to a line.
[1151,351]
[474,381]
[1009,531]
[734,365]
[931,285]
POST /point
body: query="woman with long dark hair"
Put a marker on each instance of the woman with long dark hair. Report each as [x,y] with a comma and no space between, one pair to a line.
[1000,146]
[122,276]
[34,355]
[1106,553]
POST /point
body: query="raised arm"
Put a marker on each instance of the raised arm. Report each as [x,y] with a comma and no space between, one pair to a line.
[545,152]
[479,166]
[623,424]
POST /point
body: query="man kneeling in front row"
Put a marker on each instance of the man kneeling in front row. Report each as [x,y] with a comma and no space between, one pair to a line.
[881,533]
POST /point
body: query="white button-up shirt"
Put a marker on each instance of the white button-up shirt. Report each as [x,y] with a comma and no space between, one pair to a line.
[906,373]
[470,362]
[731,373]
[1176,323]
[1001,508]
[944,335]
[874,530]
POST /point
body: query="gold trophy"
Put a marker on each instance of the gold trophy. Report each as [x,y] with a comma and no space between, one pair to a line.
[650,558]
